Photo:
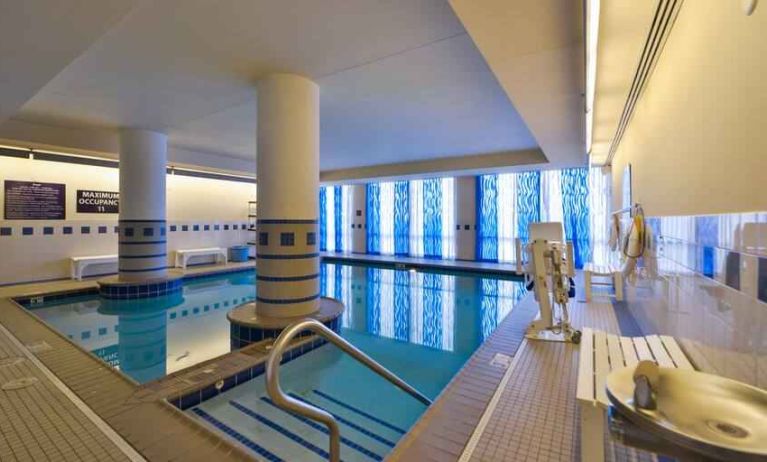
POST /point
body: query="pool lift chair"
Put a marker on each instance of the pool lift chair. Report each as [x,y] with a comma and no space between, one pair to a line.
[547,263]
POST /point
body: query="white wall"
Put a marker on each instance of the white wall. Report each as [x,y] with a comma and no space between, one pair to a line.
[359,235]
[466,215]
[696,142]
[190,201]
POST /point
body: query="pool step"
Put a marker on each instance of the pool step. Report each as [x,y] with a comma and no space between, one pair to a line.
[275,434]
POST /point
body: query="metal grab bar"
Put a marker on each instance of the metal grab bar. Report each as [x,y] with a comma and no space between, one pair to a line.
[293,405]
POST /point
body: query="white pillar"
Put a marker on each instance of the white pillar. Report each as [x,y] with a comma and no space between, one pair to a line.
[465,217]
[359,218]
[142,243]
[288,181]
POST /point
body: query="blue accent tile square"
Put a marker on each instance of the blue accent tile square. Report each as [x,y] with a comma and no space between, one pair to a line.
[162,231]
[148,232]
[287,239]
[173,228]
[184,227]
[128,232]
[234,227]
[207,227]
[117,229]
[226,227]
[173,316]
[102,229]
[102,331]
[762,279]
[732,270]
[85,335]
[27,231]
[6,231]
[48,230]
[85,229]
[196,228]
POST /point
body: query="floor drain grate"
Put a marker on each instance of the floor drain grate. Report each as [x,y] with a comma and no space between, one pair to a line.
[18,384]
[39,347]
[12,361]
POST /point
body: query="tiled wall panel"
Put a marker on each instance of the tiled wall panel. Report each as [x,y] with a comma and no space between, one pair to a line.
[705,283]
[40,250]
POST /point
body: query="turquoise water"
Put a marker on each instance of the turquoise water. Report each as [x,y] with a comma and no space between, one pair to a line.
[422,325]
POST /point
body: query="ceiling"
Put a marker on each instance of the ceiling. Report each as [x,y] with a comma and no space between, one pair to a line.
[400,80]
[623,30]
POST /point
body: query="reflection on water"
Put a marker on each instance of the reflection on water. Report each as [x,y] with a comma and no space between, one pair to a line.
[151,338]
[428,309]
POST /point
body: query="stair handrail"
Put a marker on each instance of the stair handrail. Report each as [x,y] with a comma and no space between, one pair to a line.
[312,412]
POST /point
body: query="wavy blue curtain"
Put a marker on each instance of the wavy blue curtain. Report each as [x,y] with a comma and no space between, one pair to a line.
[402,305]
[432,218]
[488,306]
[373,206]
[401,218]
[373,295]
[338,217]
[575,210]
[528,201]
[323,221]
[324,280]
[432,310]
[338,290]
[487,217]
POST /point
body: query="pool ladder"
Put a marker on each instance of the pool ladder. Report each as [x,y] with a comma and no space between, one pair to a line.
[293,405]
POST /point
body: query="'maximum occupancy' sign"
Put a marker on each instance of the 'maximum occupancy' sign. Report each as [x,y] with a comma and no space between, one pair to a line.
[97,201]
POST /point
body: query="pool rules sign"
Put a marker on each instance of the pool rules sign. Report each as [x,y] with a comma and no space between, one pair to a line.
[97,201]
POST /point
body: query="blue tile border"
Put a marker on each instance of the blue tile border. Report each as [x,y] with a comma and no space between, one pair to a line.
[137,291]
[280,429]
[247,442]
[323,429]
[207,392]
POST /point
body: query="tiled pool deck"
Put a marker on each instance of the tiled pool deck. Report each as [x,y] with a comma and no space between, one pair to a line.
[535,417]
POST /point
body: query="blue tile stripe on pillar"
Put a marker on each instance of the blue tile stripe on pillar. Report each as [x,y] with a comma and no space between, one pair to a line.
[432,218]
[401,218]
[487,217]
[575,205]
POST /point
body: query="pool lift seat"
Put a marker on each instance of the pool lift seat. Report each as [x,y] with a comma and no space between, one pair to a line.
[547,262]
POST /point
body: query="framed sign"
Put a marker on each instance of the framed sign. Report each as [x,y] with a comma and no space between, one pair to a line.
[29,200]
[97,201]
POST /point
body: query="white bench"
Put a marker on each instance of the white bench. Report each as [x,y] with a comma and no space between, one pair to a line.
[613,272]
[79,264]
[182,256]
[600,353]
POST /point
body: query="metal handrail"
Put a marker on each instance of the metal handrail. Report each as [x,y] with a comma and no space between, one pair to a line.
[304,409]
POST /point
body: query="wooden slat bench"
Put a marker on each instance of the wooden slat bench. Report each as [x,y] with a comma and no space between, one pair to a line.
[182,256]
[613,272]
[79,264]
[601,353]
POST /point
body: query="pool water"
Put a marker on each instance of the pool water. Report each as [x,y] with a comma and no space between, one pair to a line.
[421,325]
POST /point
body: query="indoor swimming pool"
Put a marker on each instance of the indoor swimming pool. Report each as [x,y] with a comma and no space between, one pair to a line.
[423,326]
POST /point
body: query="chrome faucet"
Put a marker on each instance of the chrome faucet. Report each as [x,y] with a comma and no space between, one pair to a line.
[646,378]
